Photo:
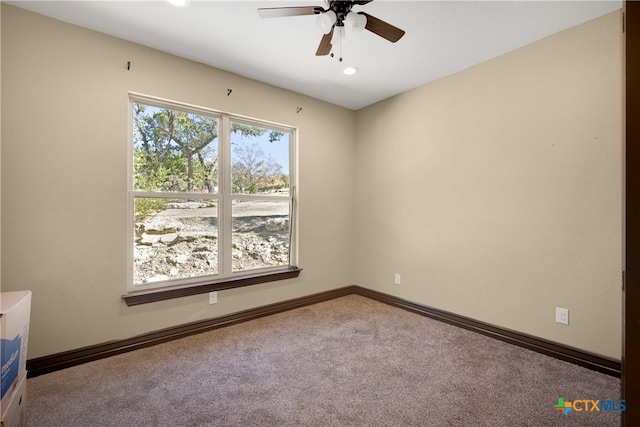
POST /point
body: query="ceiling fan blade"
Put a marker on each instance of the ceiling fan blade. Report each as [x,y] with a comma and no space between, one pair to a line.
[325,44]
[279,12]
[383,29]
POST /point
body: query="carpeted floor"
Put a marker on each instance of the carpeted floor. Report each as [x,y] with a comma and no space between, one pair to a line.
[346,362]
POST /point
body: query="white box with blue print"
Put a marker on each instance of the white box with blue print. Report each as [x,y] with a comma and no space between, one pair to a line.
[15,311]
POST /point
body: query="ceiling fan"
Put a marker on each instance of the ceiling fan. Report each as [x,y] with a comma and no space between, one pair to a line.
[333,20]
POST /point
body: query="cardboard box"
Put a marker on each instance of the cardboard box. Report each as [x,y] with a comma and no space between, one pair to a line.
[15,309]
[16,415]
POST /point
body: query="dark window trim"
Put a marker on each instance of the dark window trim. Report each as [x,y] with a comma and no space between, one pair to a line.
[153,295]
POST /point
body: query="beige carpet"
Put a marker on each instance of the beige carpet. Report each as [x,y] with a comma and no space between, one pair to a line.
[346,362]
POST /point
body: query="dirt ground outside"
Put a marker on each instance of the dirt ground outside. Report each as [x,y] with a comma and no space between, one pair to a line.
[182,240]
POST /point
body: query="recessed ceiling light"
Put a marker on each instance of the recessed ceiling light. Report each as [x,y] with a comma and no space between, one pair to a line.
[349,71]
[179,3]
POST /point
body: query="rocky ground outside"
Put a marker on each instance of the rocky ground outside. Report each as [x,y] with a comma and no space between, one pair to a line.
[182,241]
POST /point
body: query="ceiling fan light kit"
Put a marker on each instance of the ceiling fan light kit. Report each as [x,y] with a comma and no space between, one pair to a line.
[332,22]
[339,36]
[356,21]
[326,21]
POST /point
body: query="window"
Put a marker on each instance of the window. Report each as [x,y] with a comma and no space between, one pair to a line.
[211,195]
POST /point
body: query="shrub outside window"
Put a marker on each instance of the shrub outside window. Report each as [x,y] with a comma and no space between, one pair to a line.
[211,195]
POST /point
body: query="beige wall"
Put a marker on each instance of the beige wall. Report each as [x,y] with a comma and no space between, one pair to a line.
[64,222]
[496,192]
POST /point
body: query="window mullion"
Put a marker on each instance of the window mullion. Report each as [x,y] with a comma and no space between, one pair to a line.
[226,253]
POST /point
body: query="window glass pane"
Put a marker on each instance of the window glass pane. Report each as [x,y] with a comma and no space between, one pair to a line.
[174,150]
[174,239]
[260,234]
[187,199]
[259,160]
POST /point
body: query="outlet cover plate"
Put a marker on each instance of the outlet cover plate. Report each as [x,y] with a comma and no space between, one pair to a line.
[213,297]
[562,315]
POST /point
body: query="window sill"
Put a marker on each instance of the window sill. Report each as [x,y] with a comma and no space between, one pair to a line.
[153,295]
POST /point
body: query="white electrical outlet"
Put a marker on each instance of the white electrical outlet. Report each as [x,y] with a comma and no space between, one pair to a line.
[397,279]
[562,315]
[213,297]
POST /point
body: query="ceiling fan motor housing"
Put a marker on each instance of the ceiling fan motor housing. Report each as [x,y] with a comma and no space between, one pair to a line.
[341,9]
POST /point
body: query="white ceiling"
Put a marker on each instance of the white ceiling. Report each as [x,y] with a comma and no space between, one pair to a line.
[442,37]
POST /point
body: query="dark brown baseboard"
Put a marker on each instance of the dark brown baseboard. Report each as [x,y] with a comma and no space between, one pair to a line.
[559,351]
[67,359]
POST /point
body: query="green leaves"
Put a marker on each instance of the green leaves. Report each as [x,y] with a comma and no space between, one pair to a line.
[174,150]
[177,151]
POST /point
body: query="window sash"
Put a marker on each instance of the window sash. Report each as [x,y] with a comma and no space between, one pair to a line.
[224,196]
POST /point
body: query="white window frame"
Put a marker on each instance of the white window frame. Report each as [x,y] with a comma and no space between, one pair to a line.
[224,196]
